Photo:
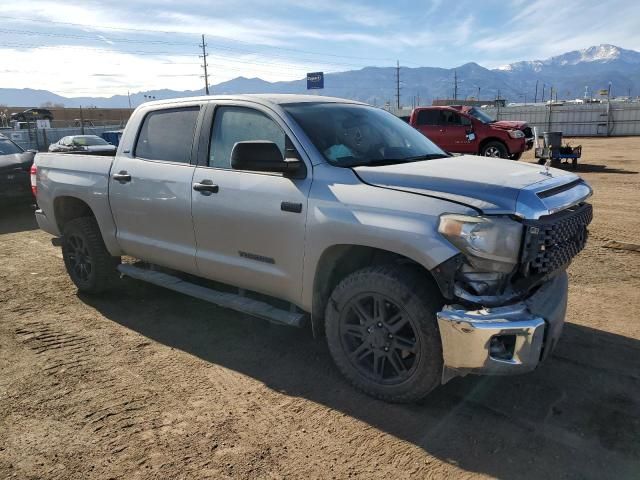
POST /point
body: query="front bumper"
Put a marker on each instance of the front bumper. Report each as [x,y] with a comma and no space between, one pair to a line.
[531,328]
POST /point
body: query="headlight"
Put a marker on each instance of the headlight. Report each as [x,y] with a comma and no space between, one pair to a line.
[516,133]
[496,239]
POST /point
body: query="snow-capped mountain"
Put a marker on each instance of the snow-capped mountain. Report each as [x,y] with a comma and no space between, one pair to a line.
[603,54]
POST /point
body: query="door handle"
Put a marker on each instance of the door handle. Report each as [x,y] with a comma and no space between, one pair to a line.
[291,207]
[206,187]
[122,177]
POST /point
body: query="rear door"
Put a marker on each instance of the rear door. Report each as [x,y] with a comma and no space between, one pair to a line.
[250,232]
[429,124]
[150,190]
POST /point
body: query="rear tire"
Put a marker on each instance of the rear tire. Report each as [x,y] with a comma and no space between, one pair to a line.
[495,149]
[88,262]
[383,334]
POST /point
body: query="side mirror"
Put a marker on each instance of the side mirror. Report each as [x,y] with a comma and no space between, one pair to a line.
[262,156]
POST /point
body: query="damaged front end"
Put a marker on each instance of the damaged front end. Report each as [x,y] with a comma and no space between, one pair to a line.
[507,289]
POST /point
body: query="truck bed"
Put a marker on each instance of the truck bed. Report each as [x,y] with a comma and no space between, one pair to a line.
[74,178]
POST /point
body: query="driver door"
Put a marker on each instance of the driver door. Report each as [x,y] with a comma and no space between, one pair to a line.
[250,227]
[458,133]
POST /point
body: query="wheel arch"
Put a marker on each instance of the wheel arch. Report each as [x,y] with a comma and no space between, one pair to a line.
[487,140]
[339,261]
[69,207]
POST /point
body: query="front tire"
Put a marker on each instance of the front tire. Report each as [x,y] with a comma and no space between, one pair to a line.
[382,332]
[86,258]
[495,149]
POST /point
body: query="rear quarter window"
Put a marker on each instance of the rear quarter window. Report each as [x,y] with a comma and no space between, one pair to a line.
[167,135]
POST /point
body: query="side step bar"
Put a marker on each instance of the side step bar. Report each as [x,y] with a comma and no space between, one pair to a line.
[223,299]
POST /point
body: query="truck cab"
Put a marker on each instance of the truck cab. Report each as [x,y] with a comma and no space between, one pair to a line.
[461,129]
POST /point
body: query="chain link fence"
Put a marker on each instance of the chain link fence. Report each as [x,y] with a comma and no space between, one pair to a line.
[30,137]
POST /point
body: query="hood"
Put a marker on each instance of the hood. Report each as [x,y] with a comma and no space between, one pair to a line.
[509,124]
[491,185]
[15,161]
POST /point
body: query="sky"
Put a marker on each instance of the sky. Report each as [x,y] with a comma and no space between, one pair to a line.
[103,48]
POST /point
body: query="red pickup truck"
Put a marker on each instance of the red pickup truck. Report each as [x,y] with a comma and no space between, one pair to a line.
[470,130]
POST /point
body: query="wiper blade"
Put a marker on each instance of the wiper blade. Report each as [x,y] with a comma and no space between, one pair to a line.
[389,161]
[429,156]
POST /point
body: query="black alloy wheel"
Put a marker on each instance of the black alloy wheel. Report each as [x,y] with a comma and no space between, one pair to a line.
[80,258]
[380,338]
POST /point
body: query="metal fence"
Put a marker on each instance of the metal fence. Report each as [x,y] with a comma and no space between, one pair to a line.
[587,120]
[40,139]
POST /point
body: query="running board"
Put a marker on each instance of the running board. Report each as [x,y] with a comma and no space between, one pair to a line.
[223,299]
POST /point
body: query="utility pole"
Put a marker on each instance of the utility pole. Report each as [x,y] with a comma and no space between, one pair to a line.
[81,121]
[543,87]
[398,84]
[478,94]
[535,98]
[204,61]
[455,85]
[129,98]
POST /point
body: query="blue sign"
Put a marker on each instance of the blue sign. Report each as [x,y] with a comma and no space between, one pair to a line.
[315,80]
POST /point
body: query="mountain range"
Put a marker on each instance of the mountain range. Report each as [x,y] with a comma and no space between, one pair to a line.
[569,74]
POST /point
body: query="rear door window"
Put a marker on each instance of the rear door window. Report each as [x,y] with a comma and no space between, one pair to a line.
[429,117]
[168,135]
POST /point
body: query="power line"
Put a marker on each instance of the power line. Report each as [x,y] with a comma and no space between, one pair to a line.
[164,32]
[160,42]
[303,65]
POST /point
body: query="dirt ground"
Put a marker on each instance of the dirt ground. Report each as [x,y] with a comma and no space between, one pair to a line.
[145,383]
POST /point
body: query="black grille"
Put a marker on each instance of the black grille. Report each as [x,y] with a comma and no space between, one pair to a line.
[552,241]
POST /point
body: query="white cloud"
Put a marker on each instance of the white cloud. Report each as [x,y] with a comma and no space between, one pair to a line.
[543,28]
[103,72]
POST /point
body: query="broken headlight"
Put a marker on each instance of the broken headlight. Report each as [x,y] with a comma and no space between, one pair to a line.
[489,243]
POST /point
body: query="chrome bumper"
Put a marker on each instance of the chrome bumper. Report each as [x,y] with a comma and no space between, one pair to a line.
[530,328]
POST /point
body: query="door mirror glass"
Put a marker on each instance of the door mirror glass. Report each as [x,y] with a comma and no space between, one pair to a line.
[262,156]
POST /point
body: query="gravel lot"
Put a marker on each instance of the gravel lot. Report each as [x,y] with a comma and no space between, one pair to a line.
[145,383]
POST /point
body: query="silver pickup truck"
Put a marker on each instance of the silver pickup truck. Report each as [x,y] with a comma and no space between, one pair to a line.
[416,265]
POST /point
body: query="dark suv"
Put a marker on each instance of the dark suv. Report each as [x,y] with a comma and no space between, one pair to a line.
[32,114]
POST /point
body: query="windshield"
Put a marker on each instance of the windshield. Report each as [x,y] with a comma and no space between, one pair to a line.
[89,140]
[480,115]
[348,135]
[7,147]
